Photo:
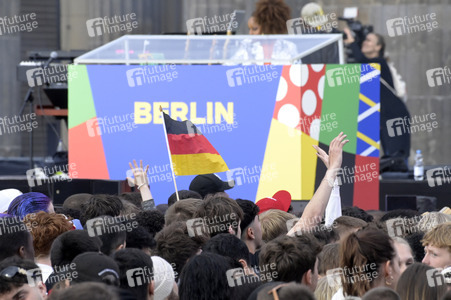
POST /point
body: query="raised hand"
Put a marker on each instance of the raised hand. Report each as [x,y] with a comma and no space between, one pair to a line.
[140,175]
[317,205]
[322,155]
[349,37]
[336,151]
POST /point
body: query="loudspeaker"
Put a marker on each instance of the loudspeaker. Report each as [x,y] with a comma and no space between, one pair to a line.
[60,190]
[414,202]
[63,189]
[425,203]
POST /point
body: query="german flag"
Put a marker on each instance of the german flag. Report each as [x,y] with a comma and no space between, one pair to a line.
[191,152]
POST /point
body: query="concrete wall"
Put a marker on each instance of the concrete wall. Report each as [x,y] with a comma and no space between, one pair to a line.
[13,50]
[153,17]
[9,87]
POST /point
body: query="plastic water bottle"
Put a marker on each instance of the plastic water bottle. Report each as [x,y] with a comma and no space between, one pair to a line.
[60,147]
[418,169]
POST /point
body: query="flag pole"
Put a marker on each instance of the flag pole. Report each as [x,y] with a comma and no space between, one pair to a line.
[169,153]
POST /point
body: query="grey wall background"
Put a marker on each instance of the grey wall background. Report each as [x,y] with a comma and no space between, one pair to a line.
[62,25]
[9,87]
[13,48]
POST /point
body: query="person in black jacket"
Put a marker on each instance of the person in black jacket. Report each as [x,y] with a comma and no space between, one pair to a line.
[394,144]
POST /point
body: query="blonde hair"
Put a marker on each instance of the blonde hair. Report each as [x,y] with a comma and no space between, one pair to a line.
[431,220]
[274,223]
[324,290]
[439,236]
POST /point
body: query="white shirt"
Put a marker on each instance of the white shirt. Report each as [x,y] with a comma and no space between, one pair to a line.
[46,271]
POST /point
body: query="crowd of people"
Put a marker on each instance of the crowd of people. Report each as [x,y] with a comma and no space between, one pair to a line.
[206,245]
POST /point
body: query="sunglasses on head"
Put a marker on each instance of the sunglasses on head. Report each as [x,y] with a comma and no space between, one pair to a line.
[10,272]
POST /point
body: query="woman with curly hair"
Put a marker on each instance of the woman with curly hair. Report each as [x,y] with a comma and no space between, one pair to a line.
[45,228]
[269,17]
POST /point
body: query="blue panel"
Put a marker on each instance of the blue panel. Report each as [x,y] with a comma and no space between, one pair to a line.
[370,125]
[116,89]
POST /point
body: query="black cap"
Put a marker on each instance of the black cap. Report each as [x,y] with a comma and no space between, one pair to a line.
[97,267]
[210,184]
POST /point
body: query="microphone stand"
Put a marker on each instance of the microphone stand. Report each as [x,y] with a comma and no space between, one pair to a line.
[29,100]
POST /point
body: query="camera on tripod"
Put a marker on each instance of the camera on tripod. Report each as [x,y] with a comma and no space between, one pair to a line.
[360,31]
[349,16]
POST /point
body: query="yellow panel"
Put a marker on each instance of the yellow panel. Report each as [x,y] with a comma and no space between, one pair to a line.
[308,166]
[282,169]
[282,162]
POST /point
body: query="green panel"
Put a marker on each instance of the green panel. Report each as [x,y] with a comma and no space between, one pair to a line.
[81,103]
[341,97]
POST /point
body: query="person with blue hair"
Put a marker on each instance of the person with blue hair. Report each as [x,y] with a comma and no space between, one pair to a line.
[30,203]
